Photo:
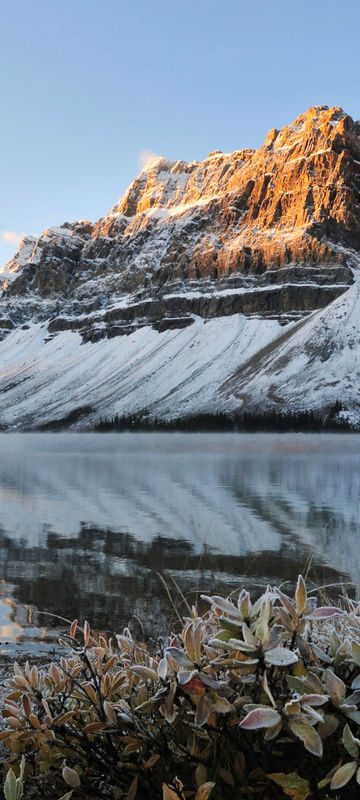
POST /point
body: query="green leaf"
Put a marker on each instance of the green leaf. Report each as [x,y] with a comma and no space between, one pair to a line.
[10,786]
[350,742]
[299,684]
[355,651]
[343,775]
[280,657]
[291,780]
[310,737]
[335,686]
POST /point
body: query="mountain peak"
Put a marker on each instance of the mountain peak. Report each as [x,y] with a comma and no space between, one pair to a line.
[246,242]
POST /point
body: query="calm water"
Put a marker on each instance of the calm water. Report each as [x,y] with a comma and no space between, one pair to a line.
[88,521]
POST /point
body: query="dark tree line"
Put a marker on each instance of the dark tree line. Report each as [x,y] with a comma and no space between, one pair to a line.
[242,421]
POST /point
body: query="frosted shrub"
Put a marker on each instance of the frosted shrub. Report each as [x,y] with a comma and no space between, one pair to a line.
[249,700]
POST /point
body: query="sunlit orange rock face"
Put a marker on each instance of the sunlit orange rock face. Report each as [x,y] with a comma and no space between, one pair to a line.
[293,202]
[289,201]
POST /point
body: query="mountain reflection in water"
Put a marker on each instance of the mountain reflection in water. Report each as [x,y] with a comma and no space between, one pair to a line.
[88,521]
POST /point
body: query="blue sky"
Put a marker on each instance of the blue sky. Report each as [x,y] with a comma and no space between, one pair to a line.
[88,86]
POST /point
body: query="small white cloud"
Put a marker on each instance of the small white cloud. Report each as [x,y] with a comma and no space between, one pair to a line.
[11,237]
[146,157]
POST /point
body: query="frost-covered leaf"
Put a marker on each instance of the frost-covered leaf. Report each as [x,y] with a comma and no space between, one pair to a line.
[179,656]
[335,686]
[222,604]
[185,675]
[343,775]
[314,699]
[260,718]
[287,603]
[350,743]
[162,669]
[308,735]
[280,657]
[320,654]
[356,683]
[244,647]
[71,777]
[244,604]
[221,705]
[325,612]
[144,672]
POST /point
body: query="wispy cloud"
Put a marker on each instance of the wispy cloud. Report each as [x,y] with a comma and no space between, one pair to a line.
[11,237]
[146,157]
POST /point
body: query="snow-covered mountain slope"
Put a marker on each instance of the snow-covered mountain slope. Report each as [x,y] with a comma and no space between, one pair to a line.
[223,284]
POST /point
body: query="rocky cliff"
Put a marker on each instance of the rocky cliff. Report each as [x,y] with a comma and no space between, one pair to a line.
[263,237]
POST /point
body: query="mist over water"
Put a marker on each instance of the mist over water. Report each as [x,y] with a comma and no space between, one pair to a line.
[87,521]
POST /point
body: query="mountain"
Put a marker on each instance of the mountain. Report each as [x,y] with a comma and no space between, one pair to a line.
[217,285]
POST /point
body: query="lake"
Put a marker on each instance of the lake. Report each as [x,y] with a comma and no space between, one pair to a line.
[89,523]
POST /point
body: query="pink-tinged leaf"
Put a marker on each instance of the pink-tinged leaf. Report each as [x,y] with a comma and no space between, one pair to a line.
[308,735]
[325,612]
[314,699]
[73,627]
[343,775]
[260,718]
[204,790]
